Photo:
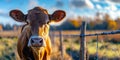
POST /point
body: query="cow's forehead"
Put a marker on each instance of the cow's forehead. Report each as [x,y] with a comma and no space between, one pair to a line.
[37,9]
[38,15]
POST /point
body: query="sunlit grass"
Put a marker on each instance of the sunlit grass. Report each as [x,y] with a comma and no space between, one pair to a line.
[105,49]
[7,48]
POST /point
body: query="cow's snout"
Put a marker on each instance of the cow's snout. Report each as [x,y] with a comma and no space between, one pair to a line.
[36,41]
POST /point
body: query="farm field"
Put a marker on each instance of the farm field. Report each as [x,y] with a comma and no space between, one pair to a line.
[108,47]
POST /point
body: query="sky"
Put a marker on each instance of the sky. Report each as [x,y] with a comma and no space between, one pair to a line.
[73,8]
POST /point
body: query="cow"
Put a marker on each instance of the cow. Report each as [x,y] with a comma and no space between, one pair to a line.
[34,42]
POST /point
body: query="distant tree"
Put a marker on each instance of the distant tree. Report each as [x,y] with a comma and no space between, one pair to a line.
[8,27]
[76,22]
[91,24]
[106,17]
[118,22]
[64,26]
[67,26]
[106,24]
[15,27]
[1,27]
[112,25]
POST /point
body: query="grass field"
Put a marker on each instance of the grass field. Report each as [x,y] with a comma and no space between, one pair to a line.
[107,50]
[108,47]
[7,48]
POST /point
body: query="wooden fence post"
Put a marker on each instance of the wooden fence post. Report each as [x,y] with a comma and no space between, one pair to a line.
[61,45]
[52,35]
[83,42]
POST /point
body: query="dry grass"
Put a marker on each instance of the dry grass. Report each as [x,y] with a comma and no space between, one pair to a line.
[71,46]
[7,48]
[108,45]
[9,33]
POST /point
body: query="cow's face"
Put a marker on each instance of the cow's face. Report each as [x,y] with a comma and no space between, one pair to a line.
[38,19]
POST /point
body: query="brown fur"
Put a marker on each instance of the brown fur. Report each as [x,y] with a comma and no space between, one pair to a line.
[26,52]
[37,21]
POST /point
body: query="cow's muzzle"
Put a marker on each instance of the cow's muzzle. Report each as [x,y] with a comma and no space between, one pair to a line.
[36,41]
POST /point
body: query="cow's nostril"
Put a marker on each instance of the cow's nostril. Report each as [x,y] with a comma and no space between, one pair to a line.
[41,40]
[36,40]
[32,41]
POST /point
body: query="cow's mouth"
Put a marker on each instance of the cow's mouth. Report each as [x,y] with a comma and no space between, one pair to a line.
[37,45]
[37,48]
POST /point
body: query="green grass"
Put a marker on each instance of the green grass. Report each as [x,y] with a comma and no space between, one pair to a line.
[7,48]
[106,49]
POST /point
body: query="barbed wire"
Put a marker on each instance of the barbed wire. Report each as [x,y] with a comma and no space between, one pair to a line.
[81,35]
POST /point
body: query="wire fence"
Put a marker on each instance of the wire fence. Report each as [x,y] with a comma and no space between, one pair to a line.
[99,46]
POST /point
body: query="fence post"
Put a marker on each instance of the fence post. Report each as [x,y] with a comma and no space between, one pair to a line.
[52,35]
[83,42]
[61,44]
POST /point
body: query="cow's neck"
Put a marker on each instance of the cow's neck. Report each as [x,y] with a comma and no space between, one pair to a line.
[38,53]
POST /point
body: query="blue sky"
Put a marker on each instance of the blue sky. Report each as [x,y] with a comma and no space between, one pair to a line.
[73,8]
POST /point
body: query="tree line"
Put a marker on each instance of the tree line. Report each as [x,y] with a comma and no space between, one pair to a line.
[97,23]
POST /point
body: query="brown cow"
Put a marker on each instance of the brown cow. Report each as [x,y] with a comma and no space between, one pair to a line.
[34,42]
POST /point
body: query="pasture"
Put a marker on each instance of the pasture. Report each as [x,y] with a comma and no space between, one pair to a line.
[108,46]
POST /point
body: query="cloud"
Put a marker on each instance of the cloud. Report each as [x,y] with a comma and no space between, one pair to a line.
[72,14]
[1,10]
[111,6]
[81,3]
[106,5]
[3,13]
[98,6]
[96,0]
[52,9]
[114,14]
[59,3]
[32,3]
[8,0]
[115,1]
[89,4]
[77,3]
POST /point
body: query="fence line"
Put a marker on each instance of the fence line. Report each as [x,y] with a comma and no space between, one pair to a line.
[83,41]
[102,33]
[82,35]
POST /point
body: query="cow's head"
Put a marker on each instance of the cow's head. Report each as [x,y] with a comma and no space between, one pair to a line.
[38,19]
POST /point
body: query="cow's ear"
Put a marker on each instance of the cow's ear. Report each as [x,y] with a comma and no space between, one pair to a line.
[57,16]
[17,15]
